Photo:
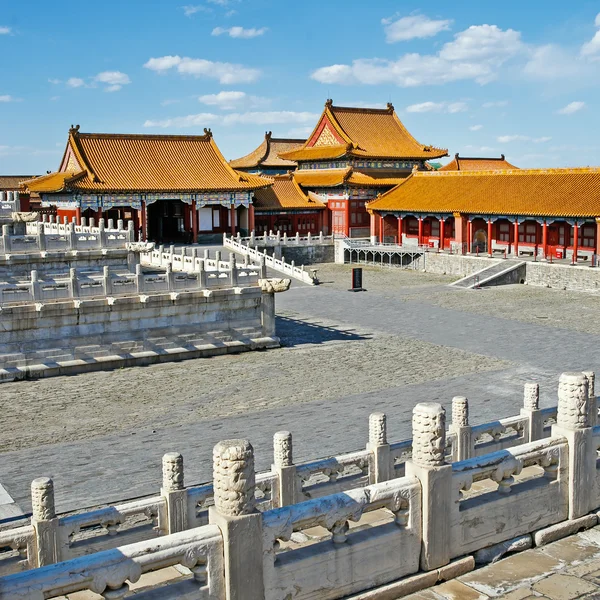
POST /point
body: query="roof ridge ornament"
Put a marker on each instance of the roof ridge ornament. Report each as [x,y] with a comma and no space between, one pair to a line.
[328,103]
[74,130]
[268,135]
[208,133]
[390,107]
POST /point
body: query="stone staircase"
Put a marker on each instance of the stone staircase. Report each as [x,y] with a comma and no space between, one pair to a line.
[497,274]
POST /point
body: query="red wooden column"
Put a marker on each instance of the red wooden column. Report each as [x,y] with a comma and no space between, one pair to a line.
[420,238]
[442,232]
[545,239]
[469,236]
[489,236]
[347,218]
[78,215]
[373,224]
[516,242]
[575,241]
[99,215]
[194,222]
[399,231]
[232,217]
[251,222]
[381,229]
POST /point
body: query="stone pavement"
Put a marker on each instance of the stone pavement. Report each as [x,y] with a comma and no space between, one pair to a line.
[563,570]
[110,467]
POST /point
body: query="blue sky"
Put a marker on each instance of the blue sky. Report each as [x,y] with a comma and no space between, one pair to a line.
[479,78]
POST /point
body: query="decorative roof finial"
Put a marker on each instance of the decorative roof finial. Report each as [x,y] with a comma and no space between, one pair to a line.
[329,103]
[502,156]
[390,107]
[208,133]
[268,135]
[74,130]
[456,156]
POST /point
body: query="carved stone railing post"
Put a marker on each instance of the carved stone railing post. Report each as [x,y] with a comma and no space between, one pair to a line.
[6,238]
[36,292]
[591,378]
[573,423]
[41,237]
[71,237]
[106,281]
[463,445]
[130,232]
[284,467]
[427,464]
[174,492]
[170,277]
[380,464]
[44,523]
[139,279]
[531,410]
[73,283]
[102,241]
[240,523]
[233,270]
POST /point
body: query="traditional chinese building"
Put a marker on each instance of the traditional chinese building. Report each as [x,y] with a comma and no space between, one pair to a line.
[285,207]
[463,163]
[173,188]
[553,212]
[12,197]
[352,155]
[265,158]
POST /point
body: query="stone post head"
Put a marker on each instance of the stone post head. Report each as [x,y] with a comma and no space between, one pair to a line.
[377,429]
[42,499]
[573,401]
[460,411]
[233,477]
[531,396]
[282,449]
[172,471]
[591,379]
[429,434]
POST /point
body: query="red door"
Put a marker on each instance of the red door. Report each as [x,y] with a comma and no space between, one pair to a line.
[552,239]
[337,221]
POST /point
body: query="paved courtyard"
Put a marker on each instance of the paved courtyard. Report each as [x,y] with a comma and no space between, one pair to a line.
[409,338]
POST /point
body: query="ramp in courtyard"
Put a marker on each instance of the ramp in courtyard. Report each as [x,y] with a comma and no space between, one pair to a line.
[501,273]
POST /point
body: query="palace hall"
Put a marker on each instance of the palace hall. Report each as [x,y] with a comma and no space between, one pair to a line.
[352,155]
[539,212]
[172,187]
[265,159]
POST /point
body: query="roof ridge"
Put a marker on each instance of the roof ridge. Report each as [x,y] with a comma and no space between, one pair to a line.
[515,171]
[147,136]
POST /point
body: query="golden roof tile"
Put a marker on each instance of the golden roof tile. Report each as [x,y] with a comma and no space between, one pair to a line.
[154,163]
[528,192]
[369,133]
[459,163]
[285,193]
[267,154]
[53,182]
[321,177]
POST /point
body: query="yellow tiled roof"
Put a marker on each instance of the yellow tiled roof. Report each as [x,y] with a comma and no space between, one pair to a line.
[53,182]
[458,163]
[267,154]
[374,179]
[154,163]
[318,152]
[371,132]
[12,182]
[531,192]
[321,177]
[284,193]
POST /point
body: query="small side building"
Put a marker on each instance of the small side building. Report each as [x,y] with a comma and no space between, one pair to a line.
[285,207]
[173,187]
[539,212]
[265,159]
[12,197]
[464,163]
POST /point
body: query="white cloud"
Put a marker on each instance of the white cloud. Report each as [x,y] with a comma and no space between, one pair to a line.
[240,32]
[54,81]
[571,108]
[408,28]
[475,53]
[447,107]
[591,49]
[505,139]
[230,13]
[191,9]
[497,104]
[232,100]
[115,80]
[251,117]
[479,148]
[7,98]
[225,73]
[299,132]
[5,30]
[475,127]
[551,62]
[75,82]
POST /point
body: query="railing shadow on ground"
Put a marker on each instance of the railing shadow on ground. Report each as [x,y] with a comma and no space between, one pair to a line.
[297,332]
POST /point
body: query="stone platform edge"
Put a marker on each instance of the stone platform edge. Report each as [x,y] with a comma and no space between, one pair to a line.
[143,358]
